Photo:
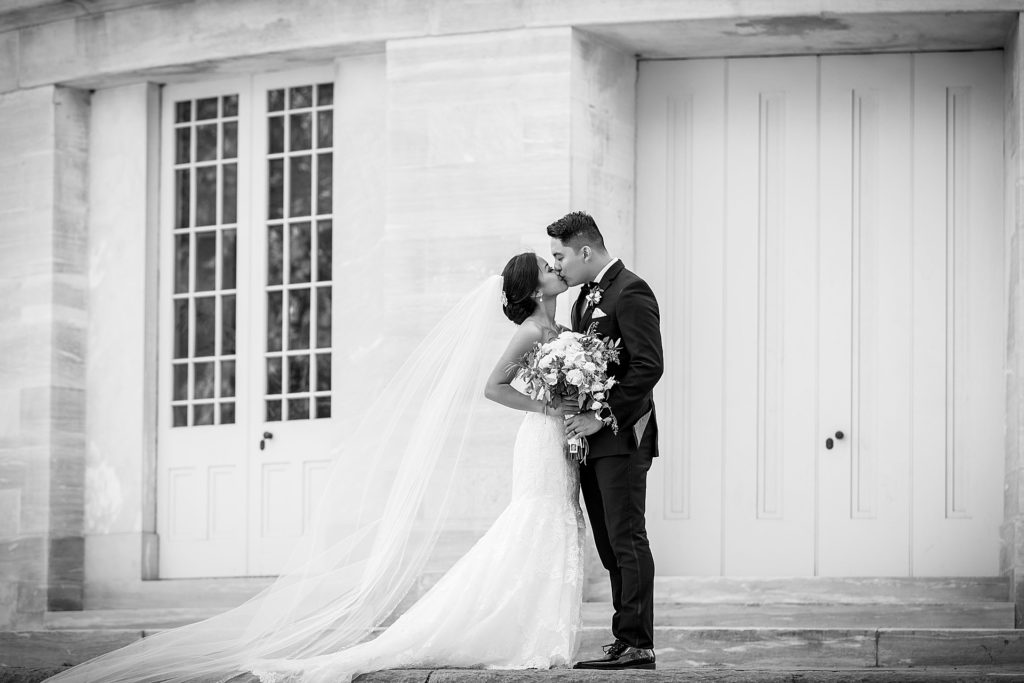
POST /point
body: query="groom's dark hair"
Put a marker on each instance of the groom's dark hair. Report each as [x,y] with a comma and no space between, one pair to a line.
[575,230]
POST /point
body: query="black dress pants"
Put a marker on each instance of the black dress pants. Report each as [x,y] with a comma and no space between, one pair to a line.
[615,491]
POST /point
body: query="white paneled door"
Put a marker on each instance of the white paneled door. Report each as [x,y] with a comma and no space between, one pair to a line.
[246,324]
[825,235]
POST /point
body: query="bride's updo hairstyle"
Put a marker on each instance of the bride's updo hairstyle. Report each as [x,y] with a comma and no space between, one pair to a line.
[519,282]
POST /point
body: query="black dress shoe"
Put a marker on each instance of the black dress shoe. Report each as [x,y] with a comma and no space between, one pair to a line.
[611,653]
[619,655]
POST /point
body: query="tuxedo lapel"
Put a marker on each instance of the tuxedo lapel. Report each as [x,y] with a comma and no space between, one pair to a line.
[586,314]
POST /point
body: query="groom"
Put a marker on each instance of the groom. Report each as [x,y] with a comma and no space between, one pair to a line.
[614,477]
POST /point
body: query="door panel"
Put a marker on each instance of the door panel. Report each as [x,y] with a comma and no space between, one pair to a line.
[866,316]
[770,316]
[294,311]
[959,307]
[683,133]
[201,467]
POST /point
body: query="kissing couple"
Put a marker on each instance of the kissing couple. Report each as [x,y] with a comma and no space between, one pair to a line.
[512,601]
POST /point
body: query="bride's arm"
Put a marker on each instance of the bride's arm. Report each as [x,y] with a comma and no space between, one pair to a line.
[498,387]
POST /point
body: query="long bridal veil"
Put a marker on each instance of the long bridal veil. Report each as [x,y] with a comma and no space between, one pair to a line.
[389,495]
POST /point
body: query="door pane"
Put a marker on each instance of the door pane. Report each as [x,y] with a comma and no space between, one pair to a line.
[300,135]
[299,256]
[205,260]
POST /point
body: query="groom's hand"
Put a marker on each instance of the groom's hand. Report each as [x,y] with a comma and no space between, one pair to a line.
[583,424]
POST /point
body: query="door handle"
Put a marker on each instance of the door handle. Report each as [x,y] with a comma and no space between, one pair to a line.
[266,437]
[829,443]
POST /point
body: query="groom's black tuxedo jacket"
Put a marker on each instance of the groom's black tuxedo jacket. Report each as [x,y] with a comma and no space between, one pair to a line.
[630,314]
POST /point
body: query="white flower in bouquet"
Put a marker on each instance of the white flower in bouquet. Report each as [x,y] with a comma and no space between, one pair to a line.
[572,368]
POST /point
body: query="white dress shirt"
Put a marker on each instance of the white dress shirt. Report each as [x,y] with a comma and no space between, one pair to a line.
[597,280]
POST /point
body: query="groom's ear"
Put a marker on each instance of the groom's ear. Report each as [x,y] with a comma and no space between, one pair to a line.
[585,251]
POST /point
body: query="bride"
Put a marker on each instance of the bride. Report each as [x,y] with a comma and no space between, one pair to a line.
[512,601]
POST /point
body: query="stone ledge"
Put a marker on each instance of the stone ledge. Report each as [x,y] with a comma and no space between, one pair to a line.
[162,40]
[962,647]
[983,615]
[679,648]
[715,590]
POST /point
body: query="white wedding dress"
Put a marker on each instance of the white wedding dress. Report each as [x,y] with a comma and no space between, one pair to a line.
[512,602]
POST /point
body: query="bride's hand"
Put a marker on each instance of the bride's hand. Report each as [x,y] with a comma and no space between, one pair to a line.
[555,408]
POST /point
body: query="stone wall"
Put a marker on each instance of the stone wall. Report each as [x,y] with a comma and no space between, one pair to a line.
[491,137]
[85,44]
[1012,530]
[42,350]
[479,124]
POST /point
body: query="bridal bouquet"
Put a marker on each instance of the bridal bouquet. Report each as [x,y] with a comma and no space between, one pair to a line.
[572,367]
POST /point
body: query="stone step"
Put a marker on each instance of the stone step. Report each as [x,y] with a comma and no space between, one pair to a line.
[819,590]
[220,593]
[772,615]
[229,592]
[849,616]
[678,647]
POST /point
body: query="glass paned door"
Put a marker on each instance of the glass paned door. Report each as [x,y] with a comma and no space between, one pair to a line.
[246,319]
[294,152]
[202,467]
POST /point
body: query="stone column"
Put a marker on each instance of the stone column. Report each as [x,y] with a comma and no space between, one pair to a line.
[604,139]
[120,376]
[491,137]
[43,175]
[1012,556]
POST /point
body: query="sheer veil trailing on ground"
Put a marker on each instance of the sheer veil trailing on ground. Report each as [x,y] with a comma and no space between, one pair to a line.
[388,497]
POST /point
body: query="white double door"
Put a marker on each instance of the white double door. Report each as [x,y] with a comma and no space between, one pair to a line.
[825,235]
[246,320]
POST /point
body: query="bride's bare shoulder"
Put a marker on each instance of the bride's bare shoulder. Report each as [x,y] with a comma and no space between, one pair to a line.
[529,330]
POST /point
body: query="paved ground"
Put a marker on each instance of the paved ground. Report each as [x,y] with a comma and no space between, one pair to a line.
[712,675]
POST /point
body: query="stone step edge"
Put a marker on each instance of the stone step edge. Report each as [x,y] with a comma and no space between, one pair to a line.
[715,590]
[1016,634]
[589,606]
[677,646]
[229,592]
[593,604]
[763,630]
[984,615]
